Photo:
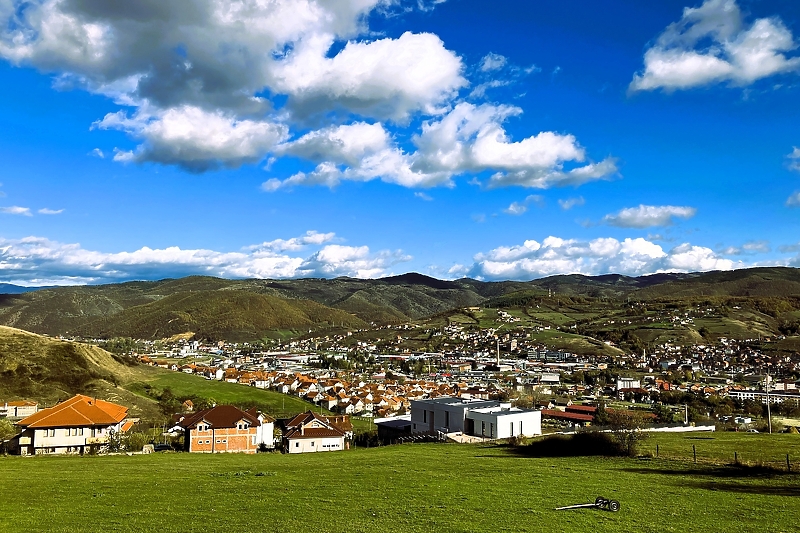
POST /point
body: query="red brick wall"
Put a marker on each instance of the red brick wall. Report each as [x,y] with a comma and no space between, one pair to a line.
[223,440]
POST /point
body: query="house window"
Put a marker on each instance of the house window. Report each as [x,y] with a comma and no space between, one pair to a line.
[296,444]
[94,432]
[424,416]
[52,432]
[512,429]
[80,432]
[520,427]
[312,443]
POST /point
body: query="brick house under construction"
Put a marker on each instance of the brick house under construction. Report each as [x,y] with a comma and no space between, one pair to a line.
[226,428]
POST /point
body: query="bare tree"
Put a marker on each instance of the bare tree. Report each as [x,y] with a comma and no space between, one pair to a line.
[626,429]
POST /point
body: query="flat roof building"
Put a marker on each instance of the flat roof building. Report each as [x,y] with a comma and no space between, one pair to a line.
[491,419]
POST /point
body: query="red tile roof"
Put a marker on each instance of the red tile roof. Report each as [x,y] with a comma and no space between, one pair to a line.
[22,403]
[76,412]
[310,433]
[560,415]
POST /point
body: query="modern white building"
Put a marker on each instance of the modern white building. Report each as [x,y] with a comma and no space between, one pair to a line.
[480,418]
[628,383]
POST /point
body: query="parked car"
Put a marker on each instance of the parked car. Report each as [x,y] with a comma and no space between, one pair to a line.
[752,431]
[162,448]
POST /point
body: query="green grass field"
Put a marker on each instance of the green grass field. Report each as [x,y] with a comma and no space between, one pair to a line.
[221,392]
[407,488]
[722,447]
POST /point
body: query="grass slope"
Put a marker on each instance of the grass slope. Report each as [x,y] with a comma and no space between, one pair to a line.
[408,488]
[32,365]
[184,385]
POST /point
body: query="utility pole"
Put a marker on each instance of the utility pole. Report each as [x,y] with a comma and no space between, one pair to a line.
[769,412]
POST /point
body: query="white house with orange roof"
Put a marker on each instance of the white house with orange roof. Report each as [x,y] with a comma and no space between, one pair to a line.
[73,426]
[18,408]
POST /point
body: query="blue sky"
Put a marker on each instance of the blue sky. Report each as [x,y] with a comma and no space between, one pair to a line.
[297,138]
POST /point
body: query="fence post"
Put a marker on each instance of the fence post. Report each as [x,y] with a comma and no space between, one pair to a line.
[694,453]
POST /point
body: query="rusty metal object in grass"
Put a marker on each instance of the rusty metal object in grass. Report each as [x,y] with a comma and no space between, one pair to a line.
[599,503]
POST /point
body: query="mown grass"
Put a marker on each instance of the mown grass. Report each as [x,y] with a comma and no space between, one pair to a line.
[408,488]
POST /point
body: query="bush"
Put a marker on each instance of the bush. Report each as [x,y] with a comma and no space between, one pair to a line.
[135,441]
[585,443]
[518,440]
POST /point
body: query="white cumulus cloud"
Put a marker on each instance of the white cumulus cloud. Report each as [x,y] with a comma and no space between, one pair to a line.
[647,216]
[518,208]
[195,139]
[568,203]
[713,44]
[492,61]
[553,255]
[197,74]
[793,200]
[40,261]
[468,139]
[16,210]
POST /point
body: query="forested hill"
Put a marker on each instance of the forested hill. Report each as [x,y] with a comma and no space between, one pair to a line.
[248,309]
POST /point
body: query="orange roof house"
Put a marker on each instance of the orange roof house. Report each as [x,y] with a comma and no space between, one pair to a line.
[18,409]
[72,426]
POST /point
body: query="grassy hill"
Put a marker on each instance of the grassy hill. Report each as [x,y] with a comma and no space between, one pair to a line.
[50,370]
[407,488]
[234,315]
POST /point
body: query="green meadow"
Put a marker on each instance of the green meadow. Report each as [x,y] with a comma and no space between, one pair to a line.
[220,391]
[725,447]
[405,488]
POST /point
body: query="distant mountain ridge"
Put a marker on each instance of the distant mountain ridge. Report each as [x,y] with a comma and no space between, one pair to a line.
[9,288]
[248,309]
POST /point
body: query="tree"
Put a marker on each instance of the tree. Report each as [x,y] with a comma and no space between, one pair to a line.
[626,429]
[664,413]
[601,415]
[7,430]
